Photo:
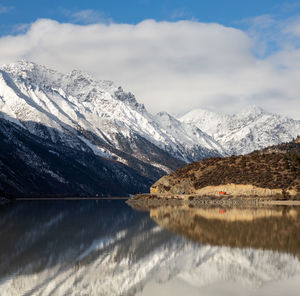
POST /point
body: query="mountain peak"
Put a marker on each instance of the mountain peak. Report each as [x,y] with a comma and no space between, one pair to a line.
[75,74]
[128,98]
[21,65]
[199,113]
[251,110]
[24,66]
[32,73]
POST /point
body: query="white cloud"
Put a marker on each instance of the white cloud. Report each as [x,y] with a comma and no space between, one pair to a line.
[261,21]
[292,26]
[20,28]
[173,66]
[89,16]
[180,13]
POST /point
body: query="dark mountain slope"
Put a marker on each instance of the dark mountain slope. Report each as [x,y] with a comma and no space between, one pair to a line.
[31,166]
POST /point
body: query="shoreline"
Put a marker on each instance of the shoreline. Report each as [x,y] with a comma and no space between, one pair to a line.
[155,200]
[210,200]
[70,198]
[11,200]
[282,202]
[223,203]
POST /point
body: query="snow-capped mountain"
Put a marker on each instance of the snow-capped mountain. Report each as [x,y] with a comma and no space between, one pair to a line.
[76,114]
[34,93]
[249,130]
[97,117]
[197,141]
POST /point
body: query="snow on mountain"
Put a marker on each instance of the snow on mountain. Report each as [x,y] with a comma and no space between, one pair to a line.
[196,141]
[36,94]
[249,130]
[97,117]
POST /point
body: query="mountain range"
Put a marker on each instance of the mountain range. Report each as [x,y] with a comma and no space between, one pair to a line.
[65,134]
[251,129]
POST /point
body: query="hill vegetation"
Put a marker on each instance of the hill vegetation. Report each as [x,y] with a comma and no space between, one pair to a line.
[274,168]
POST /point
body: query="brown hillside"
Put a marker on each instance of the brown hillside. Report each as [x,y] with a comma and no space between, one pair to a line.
[278,170]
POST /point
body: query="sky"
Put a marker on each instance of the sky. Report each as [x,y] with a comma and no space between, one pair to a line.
[174,55]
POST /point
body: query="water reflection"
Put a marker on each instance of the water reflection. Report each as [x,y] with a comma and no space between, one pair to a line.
[276,228]
[106,248]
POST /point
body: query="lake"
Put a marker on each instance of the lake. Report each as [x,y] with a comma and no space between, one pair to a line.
[106,247]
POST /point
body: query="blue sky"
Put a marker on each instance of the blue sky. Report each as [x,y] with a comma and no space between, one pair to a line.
[230,12]
[173,55]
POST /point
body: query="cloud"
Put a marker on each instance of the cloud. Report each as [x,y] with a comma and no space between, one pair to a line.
[180,13]
[287,7]
[5,9]
[89,16]
[172,66]
[261,21]
[274,32]
[292,26]
[20,28]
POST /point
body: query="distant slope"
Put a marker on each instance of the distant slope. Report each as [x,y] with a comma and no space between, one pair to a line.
[260,173]
[249,130]
[290,147]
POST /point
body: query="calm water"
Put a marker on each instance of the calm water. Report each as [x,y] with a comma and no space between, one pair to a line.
[108,248]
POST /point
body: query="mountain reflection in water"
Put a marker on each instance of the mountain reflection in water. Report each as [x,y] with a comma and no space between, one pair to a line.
[107,248]
[276,228]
